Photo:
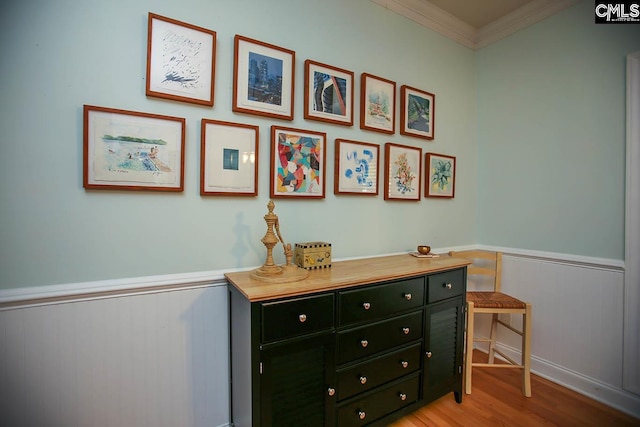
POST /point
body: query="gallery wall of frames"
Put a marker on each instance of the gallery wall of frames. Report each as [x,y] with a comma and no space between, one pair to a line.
[132,150]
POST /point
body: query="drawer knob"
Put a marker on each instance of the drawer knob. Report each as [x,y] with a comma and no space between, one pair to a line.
[331,391]
[403,396]
[407,297]
[366,305]
[406,331]
[364,343]
[303,318]
[404,364]
[429,354]
[362,415]
[363,380]
[448,285]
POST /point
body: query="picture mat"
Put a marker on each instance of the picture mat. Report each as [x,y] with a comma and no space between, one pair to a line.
[352,157]
[385,91]
[410,191]
[219,179]
[348,110]
[315,189]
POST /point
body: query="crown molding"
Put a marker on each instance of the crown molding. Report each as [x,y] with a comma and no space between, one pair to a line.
[436,19]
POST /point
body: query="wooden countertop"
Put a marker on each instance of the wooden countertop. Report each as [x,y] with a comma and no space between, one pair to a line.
[343,274]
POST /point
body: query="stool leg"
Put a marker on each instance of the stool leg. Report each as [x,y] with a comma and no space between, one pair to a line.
[526,352]
[468,357]
[492,337]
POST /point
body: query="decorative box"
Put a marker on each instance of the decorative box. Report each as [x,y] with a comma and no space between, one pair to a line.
[312,255]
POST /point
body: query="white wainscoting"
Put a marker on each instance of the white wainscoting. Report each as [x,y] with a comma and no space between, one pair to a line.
[154,351]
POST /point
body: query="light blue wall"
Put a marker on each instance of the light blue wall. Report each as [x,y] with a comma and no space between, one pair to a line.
[551,136]
[58,55]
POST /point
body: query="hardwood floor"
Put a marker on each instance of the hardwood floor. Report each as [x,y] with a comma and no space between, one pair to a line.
[497,400]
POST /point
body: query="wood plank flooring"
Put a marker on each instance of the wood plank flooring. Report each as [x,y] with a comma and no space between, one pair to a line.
[497,400]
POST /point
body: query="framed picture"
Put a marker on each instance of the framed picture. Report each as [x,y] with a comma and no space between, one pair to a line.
[128,150]
[297,163]
[228,159]
[356,168]
[263,79]
[417,112]
[328,93]
[377,104]
[181,61]
[402,167]
[440,179]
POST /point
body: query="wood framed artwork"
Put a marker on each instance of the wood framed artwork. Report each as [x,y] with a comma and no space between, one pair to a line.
[228,159]
[128,150]
[440,179]
[417,112]
[298,163]
[328,93]
[263,79]
[356,168]
[402,168]
[181,61]
[377,104]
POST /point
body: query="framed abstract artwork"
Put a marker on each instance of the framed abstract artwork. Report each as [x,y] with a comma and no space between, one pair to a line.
[129,150]
[440,179]
[328,93]
[298,163]
[402,168]
[417,112]
[228,159]
[181,61]
[356,168]
[377,104]
[263,79]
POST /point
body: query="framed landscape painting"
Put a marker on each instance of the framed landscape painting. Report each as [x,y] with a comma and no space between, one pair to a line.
[298,163]
[417,112]
[377,104]
[402,167]
[328,93]
[440,179]
[129,150]
[356,168]
[263,79]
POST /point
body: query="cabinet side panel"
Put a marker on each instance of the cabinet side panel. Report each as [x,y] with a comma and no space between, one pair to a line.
[240,359]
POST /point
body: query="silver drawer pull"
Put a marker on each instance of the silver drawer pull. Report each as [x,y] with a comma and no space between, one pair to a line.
[404,364]
[363,380]
[362,415]
[429,354]
[448,285]
[366,305]
[331,391]
[364,343]
[302,318]
[405,331]
[407,297]
[403,396]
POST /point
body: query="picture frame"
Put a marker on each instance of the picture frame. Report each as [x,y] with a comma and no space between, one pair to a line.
[440,179]
[402,167]
[328,93]
[377,104]
[181,61]
[130,150]
[356,168]
[229,155]
[298,163]
[417,113]
[263,79]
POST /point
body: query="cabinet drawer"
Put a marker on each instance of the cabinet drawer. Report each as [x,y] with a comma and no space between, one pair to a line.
[370,339]
[283,319]
[378,301]
[445,285]
[381,370]
[379,404]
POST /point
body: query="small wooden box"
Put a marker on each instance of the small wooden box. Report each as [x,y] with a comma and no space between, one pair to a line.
[312,255]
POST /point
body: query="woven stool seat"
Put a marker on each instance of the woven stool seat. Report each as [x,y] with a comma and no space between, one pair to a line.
[495,300]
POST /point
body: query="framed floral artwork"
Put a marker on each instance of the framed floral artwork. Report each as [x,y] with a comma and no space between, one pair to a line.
[298,163]
[328,93]
[417,112]
[377,104]
[228,159]
[356,168]
[402,167]
[440,179]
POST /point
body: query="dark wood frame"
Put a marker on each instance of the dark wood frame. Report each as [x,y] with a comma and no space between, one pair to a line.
[275,131]
[388,176]
[364,104]
[428,177]
[89,152]
[206,167]
[337,176]
[212,63]
[238,99]
[309,112]
[405,91]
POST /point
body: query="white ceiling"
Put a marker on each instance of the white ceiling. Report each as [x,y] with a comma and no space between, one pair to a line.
[476,23]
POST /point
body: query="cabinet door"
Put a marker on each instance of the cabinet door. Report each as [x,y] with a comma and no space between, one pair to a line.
[444,327]
[297,383]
